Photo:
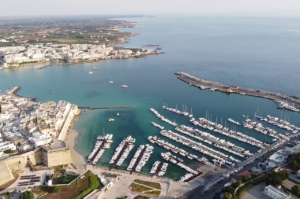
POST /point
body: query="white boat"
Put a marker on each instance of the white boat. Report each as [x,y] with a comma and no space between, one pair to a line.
[118,114]
[124,85]
[110,81]
[91,72]
[95,68]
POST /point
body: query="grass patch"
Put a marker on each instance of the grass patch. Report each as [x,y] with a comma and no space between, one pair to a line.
[75,189]
[139,188]
[64,179]
[147,183]
[141,197]
[94,183]
[157,193]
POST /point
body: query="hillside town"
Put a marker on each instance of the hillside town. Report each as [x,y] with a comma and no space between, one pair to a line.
[26,124]
[12,56]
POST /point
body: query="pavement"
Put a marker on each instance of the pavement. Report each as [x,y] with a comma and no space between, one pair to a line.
[256,192]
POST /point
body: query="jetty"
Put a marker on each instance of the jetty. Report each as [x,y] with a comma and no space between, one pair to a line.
[90,108]
[284,101]
[122,152]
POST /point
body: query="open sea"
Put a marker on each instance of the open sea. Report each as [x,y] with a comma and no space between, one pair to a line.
[260,53]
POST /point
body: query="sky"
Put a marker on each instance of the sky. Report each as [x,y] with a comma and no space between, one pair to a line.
[278,8]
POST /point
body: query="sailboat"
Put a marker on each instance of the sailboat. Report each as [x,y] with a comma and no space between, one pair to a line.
[110,81]
[191,115]
[124,85]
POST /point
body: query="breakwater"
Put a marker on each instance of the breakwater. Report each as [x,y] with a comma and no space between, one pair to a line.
[284,101]
[90,108]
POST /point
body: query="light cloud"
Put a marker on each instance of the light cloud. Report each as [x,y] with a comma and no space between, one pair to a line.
[155,7]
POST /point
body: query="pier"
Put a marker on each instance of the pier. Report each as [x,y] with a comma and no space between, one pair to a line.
[13,90]
[293,103]
[138,159]
[90,108]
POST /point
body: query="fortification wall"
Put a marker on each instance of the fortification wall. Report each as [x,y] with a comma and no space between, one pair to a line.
[20,161]
[5,173]
[64,131]
[57,157]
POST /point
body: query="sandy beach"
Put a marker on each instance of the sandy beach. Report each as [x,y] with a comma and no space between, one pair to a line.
[78,160]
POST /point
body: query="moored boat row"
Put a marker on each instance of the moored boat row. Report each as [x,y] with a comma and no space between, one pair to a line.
[162,117]
[101,143]
[157,125]
[122,151]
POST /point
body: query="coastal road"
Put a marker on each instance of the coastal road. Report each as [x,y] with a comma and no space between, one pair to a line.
[257,158]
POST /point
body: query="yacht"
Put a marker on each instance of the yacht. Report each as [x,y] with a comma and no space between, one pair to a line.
[110,81]
[124,85]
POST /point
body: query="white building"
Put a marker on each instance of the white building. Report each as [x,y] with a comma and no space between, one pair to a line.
[274,193]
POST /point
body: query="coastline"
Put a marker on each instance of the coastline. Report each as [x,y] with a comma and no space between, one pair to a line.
[78,159]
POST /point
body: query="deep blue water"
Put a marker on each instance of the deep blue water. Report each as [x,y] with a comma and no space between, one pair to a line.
[259,53]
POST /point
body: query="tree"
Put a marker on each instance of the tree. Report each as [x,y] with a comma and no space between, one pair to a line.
[27,195]
[227,196]
[296,190]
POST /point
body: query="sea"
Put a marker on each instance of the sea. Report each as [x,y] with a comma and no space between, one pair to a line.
[260,53]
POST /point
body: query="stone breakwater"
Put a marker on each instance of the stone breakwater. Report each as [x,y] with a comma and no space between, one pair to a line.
[284,101]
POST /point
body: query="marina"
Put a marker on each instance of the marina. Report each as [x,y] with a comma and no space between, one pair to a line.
[103,142]
[159,168]
[168,146]
[207,124]
[177,161]
[280,123]
[252,124]
[140,158]
[213,140]
[122,152]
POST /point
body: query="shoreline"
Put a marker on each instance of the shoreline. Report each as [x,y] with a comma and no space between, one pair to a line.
[77,159]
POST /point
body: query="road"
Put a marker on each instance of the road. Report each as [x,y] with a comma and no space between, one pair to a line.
[257,158]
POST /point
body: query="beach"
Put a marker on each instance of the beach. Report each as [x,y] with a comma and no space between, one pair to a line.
[78,160]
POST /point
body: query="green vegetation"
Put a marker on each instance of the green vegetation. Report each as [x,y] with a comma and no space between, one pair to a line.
[50,189]
[94,183]
[9,151]
[227,195]
[27,195]
[149,184]
[295,163]
[296,190]
[276,178]
[251,184]
[157,193]
[64,179]
[141,197]
[139,188]
[231,188]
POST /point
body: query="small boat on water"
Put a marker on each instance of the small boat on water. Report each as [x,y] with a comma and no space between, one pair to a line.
[110,81]
[124,85]
[95,68]
[118,114]
[111,120]
[91,72]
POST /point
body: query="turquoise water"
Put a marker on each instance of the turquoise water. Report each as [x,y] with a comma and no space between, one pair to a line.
[258,53]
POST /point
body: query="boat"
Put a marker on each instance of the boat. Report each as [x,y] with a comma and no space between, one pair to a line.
[111,120]
[124,85]
[118,114]
[95,68]
[110,81]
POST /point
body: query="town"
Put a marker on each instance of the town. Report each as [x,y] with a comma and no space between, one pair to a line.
[14,56]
